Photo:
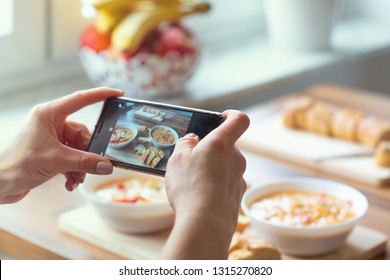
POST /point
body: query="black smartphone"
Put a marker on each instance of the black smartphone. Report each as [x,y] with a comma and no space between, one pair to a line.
[141,135]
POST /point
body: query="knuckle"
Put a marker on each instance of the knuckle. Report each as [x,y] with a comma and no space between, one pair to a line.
[84,163]
[220,145]
[79,93]
[39,110]
[242,163]
[42,112]
[243,117]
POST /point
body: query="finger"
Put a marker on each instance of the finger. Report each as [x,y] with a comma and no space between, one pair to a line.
[243,188]
[78,177]
[76,134]
[79,161]
[70,183]
[73,179]
[241,161]
[187,142]
[69,104]
[235,124]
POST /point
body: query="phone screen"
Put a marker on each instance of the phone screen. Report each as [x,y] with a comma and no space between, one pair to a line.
[142,135]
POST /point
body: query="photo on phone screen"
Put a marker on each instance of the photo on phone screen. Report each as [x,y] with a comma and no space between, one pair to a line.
[143,135]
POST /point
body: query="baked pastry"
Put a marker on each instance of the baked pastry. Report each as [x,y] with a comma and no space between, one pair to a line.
[143,131]
[349,124]
[251,247]
[152,156]
[318,118]
[143,140]
[295,110]
[237,242]
[382,154]
[139,150]
[242,223]
[372,130]
[345,124]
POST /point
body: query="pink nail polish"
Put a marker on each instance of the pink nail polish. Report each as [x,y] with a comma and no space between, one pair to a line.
[103,168]
[191,134]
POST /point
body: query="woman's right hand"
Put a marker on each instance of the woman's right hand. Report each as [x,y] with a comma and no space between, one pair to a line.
[205,185]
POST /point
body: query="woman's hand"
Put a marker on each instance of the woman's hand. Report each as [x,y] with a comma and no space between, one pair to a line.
[50,144]
[205,185]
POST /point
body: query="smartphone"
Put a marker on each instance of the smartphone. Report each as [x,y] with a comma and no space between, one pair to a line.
[141,135]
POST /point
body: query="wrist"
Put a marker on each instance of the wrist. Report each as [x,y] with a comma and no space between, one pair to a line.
[209,220]
[11,177]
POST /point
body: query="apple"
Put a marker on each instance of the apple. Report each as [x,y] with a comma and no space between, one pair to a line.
[151,43]
[176,38]
[117,54]
[162,40]
[94,39]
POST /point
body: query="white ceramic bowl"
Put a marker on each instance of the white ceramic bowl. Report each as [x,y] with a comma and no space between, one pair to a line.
[161,145]
[129,126]
[305,241]
[146,75]
[127,217]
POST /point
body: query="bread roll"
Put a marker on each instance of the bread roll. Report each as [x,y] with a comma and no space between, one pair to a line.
[143,131]
[345,124]
[242,223]
[318,118]
[295,110]
[144,156]
[250,247]
[382,154]
[237,242]
[372,130]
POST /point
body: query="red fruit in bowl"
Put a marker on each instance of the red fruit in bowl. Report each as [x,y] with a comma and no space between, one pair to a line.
[94,39]
[116,54]
[151,44]
[177,38]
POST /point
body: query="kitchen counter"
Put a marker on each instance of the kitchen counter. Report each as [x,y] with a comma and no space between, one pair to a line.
[29,229]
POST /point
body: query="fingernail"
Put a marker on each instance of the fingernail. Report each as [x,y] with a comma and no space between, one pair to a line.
[104,168]
[74,186]
[83,178]
[68,188]
[191,134]
[117,89]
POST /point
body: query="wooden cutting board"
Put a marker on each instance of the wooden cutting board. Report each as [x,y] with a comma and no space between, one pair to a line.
[267,135]
[84,223]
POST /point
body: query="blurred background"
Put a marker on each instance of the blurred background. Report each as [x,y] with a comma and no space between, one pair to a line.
[41,41]
[211,54]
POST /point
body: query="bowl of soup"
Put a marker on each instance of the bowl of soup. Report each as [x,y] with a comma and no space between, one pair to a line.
[129,201]
[122,135]
[163,136]
[304,216]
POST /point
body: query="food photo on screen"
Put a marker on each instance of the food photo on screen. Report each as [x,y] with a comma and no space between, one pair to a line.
[145,135]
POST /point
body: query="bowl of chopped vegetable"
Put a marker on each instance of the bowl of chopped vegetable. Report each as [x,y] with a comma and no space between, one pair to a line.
[129,201]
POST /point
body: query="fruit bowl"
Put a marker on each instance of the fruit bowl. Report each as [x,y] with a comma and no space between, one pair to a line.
[144,75]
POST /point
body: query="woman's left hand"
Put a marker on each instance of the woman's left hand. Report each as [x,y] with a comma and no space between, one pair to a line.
[50,144]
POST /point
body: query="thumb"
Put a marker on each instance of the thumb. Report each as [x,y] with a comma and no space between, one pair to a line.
[187,142]
[85,162]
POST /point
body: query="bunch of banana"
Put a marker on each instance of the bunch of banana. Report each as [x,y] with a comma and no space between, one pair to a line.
[130,21]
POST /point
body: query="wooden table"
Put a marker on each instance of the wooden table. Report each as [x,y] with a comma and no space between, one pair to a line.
[29,228]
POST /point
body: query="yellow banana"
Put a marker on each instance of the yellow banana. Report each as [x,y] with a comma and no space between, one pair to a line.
[131,31]
[106,21]
[114,5]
